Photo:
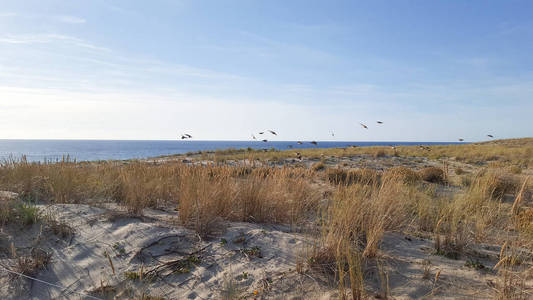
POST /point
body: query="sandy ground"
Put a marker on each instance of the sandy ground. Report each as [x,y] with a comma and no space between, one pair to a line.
[246,258]
[251,257]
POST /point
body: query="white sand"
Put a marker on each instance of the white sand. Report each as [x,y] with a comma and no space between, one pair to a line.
[80,263]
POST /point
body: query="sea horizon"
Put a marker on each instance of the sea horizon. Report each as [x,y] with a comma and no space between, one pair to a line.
[102,149]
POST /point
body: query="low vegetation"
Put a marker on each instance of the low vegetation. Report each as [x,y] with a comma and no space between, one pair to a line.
[513,153]
[348,210]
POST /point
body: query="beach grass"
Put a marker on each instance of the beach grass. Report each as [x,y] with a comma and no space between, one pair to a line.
[348,211]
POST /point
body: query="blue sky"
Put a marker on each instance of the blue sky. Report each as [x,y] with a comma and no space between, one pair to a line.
[430,70]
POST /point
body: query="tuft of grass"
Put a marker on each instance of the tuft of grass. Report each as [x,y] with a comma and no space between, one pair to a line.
[318,166]
[514,169]
[459,171]
[379,152]
[18,212]
[359,214]
[209,196]
[432,174]
[408,176]
[353,176]
[138,186]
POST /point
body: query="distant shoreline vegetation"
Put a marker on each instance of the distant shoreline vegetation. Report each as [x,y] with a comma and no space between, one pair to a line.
[96,150]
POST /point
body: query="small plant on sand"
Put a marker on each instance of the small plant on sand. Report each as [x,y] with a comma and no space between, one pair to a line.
[119,249]
[252,252]
[132,275]
[20,212]
[30,265]
[474,264]
[230,289]
[58,227]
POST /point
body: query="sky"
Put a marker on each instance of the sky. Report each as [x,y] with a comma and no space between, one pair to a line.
[222,70]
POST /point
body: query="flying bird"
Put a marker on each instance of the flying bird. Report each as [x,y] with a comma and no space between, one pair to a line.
[332,134]
[364,126]
[314,143]
[299,143]
[265,141]
[273,132]
[186,136]
[460,140]
[490,135]
[379,122]
[261,132]
[253,137]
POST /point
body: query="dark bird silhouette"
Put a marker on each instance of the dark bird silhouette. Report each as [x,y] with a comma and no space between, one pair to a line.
[332,134]
[314,143]
[298,155]
[299,143]
[490,135]
[379,122]
[273,132]
[265,141]
[460,140]
[188,135]
[261,132]
[364,126]
[253,137]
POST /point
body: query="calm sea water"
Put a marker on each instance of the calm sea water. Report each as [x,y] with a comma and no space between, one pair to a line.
[87,150]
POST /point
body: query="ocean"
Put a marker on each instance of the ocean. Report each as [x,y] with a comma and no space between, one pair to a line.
[91,150]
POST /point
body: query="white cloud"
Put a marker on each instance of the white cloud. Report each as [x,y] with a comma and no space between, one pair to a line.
[49,38]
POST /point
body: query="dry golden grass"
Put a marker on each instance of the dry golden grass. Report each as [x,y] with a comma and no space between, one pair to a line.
[359,214]
[408,176]
[363,176]
[517,152]
[352,220]
[432,174]
[210,195]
